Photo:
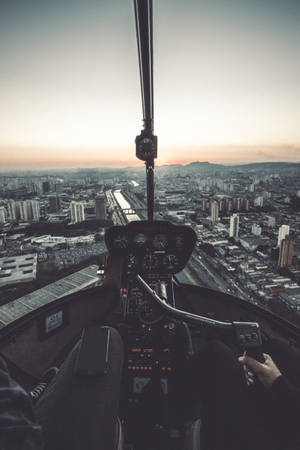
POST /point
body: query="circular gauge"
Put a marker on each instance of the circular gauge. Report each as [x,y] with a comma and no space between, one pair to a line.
[160,241]
[120,241]
[140,239]
[170,262]
[179,241]
[150,262]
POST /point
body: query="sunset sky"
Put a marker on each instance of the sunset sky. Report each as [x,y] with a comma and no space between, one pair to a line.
[226,78]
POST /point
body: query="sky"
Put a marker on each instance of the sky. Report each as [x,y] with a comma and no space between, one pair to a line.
[226,82]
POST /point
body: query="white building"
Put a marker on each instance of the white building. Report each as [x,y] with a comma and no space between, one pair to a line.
[2,214]
[13,210]
[259,201]
[214,212]
[30,210]
[256,229]
[35,210]
[234,226]
[18,269]
[24,211]
[271,221]
[283,231]
[77,212]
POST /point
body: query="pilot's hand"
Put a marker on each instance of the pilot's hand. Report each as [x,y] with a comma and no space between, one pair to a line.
[266,372]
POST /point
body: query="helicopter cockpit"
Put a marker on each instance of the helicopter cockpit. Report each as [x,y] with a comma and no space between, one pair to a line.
[163,322]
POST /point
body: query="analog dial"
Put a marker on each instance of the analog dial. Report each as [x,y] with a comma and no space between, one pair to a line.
[140,239]
[170,262]
[160,241]
[150,262]
[121,241]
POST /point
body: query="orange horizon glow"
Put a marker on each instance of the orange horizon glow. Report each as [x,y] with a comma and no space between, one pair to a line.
[16,158]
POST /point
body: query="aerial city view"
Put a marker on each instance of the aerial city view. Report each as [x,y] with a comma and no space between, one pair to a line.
[149,225]
[246,218]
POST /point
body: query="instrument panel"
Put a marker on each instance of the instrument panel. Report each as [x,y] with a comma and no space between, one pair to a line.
[152,247]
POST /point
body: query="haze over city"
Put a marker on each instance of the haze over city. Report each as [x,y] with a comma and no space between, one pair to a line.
[226,79]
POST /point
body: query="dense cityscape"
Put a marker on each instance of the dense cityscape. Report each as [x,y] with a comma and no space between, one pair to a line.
[246,218]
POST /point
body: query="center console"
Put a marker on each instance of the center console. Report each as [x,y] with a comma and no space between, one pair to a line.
[155,250]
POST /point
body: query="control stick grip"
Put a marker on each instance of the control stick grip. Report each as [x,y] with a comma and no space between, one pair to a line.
[256,353]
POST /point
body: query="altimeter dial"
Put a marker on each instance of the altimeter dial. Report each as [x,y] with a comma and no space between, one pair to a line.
[120,241]
[171,263]
[150,262]
[160,241]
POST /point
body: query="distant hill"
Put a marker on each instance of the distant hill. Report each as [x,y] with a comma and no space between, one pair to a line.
[268,165]
[205,165]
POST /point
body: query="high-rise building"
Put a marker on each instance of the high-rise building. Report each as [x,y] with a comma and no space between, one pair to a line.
[203,204]
[13,210]
[234,226]
[282,233]
[2,214]
[256,229]
[221,204]
[30,210]
[286,252]
[228,204]
[214,211]
[246,204]
[239,204]
[271,221]
[46,186]
[25,213]
[259,201]
[35,210]
[100,207]
[77,212]
[54,203]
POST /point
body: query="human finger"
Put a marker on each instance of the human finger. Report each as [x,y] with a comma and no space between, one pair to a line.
[253,365]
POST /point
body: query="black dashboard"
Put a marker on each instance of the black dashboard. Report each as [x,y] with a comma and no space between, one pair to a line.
[155,251]
[157,247]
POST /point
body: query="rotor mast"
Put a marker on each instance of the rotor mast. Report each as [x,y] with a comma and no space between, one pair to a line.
[146,142]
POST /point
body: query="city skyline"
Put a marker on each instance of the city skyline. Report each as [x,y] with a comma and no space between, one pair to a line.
[226,79]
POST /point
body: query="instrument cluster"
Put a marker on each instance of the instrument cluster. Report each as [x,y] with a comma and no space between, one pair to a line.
[152,247]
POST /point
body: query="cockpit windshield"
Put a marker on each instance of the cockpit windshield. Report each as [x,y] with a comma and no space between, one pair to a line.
[226,85]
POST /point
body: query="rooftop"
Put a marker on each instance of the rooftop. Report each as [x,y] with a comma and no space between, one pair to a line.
[72,283]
